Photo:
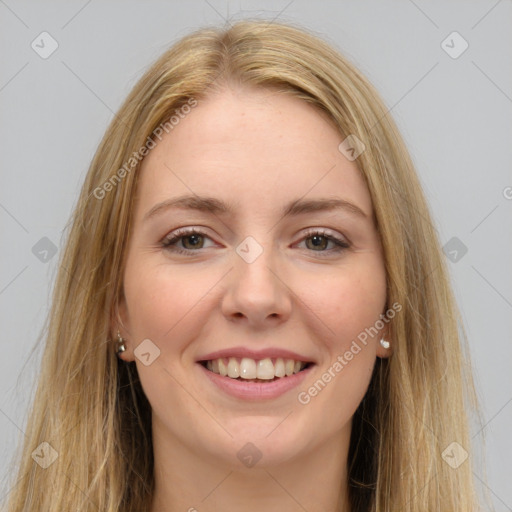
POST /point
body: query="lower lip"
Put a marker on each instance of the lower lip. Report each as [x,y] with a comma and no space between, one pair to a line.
[256,390]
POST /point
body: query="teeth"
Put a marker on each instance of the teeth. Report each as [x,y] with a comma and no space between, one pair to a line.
[223,369]
[265,369]
[279,368]
[233,368]
[250,369]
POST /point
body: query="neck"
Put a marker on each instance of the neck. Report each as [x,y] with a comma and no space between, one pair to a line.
[187,481]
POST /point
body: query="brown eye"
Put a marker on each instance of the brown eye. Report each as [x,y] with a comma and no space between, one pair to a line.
[191,241]
[318,241]
[195,241]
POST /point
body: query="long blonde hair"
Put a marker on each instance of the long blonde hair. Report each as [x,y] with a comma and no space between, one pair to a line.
[90,407]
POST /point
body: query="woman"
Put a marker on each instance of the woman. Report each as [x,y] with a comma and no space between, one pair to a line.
[252,311]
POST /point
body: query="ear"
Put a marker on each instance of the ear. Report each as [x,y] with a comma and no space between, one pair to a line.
[381,351]
[120,323]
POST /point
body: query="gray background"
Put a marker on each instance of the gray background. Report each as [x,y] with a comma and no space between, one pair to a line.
[454,113]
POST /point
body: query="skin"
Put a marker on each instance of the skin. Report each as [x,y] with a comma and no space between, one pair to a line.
[259,149]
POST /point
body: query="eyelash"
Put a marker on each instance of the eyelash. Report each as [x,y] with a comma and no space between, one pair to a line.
[169,242]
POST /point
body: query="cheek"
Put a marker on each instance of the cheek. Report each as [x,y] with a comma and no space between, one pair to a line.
[163,306]
[348,303]
[159,300]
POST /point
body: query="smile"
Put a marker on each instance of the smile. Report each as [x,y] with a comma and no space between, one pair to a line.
[253,370]
[255,375]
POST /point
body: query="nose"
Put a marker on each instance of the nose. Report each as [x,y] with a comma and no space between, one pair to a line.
[256,292]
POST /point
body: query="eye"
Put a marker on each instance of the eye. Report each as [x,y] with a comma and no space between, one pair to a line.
[191,235]
[192,240]
[321,238]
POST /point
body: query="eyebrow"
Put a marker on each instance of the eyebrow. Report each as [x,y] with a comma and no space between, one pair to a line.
[219,207]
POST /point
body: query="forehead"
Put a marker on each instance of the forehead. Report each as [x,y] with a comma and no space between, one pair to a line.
[255,147]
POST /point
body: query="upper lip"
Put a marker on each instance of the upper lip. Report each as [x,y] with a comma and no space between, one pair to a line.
[241,352]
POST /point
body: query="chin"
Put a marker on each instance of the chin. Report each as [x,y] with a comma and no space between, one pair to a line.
[257,443]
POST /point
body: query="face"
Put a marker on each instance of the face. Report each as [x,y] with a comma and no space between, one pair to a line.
[251,280]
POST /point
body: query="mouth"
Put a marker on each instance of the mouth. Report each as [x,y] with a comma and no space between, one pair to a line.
[261,371]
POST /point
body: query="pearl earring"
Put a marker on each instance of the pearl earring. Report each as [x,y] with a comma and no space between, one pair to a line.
[384,344]
[120,343]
